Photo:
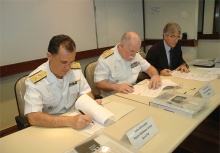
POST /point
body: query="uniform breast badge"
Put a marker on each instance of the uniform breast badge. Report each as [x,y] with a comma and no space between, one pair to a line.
[50,107]
[134,64]
[74,82]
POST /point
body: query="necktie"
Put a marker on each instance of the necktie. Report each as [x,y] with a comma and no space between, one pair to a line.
[171,59]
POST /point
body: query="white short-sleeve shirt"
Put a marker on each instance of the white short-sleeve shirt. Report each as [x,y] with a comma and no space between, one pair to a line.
[52,95]
[115,69]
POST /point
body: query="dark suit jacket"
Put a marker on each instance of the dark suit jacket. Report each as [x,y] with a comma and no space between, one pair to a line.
[157,57]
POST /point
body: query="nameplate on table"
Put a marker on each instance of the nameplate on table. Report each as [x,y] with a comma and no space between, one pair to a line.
[206,91]
[142,132]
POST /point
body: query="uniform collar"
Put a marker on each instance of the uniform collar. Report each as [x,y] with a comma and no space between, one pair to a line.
[51,78]
[167,48]
[117,55]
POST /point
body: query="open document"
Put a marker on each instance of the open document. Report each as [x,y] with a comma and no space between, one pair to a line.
[143,90]
[102,115]
[89,106]
[193,76]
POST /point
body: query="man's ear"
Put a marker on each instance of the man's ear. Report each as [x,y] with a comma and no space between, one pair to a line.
[49,56]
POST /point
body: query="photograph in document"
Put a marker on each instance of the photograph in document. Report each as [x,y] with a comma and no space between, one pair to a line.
[179,103]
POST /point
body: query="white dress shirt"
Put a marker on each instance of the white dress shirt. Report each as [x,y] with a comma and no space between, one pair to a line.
[115,69]
[52,95]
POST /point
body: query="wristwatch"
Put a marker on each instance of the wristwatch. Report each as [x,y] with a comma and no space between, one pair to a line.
[186,65]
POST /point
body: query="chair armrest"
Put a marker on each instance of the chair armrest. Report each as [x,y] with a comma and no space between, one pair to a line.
[22,122]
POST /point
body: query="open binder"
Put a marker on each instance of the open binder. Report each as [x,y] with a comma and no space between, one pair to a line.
[205,62]
[179,103]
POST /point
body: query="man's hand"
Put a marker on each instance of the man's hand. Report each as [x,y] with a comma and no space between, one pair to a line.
[165,72]
[155,82]
[99,101]
[183,68]
[124,88]
[80,121]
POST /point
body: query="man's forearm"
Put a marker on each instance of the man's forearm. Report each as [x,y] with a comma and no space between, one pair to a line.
[46,120]
[107,86]
[151,71]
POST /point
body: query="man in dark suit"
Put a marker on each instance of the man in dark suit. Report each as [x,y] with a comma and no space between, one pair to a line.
[166,55]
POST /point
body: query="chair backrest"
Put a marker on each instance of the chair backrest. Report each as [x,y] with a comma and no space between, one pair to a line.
[20,89]
[89,75]
[142,53]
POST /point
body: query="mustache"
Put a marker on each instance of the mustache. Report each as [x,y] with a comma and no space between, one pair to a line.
[131,57]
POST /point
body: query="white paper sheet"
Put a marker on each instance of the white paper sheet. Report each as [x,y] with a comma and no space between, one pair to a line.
[118,109]
[143,90]
[192,76]
[92,128]
[89,106]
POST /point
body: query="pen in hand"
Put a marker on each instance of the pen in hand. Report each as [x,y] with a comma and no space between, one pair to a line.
[83,114]
[132,86]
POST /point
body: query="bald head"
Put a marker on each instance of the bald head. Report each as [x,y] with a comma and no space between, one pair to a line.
[130,44]
[131,37]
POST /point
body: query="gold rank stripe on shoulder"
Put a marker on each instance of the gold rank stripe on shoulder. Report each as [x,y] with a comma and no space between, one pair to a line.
[76,65]
[38,76]
[108,53]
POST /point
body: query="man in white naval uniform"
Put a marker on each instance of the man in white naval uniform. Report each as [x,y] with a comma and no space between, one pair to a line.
[118,68]
[54,86]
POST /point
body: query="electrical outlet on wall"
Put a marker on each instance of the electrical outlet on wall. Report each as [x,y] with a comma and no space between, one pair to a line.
[154,10]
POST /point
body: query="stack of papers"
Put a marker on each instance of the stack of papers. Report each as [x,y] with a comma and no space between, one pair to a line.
[143,90]
[193,76]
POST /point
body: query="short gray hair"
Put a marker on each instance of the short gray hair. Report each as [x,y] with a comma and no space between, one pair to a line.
[171,28]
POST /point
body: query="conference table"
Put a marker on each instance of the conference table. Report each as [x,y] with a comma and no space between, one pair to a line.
[173,128]
[189,87]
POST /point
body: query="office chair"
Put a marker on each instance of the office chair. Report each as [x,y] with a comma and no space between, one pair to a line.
[89,75]
[20,88]
[142,53]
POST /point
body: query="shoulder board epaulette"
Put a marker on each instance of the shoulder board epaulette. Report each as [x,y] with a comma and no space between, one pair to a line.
[76,65]
[108,53]
[38,76]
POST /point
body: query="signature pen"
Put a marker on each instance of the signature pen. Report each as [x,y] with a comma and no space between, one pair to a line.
[83,114]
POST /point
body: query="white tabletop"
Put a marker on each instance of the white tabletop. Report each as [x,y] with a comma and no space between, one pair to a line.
[189,87]
[173,128]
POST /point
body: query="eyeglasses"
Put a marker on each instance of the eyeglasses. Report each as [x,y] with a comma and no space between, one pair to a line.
[174,37]
[64,63]
[132,51]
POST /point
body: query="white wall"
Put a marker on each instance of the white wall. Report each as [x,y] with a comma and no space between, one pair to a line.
[208,49]
[114,18]
[28,25]
[185,13]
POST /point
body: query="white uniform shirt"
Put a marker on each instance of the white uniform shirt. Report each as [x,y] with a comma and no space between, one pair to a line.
[115,69]
[52,95]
